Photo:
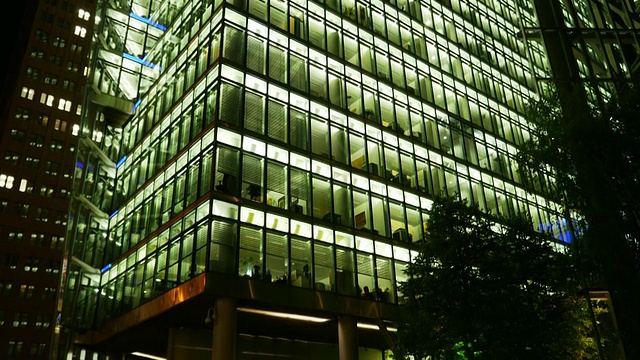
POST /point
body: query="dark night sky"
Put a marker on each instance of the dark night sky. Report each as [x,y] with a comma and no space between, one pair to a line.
[16,26]
[13,34]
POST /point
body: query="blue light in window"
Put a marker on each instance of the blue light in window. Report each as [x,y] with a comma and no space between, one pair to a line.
[135,106]
[79,164]
[114,214]
[559,230]
[148,21]
[121,161]
[141,61]
[104,269]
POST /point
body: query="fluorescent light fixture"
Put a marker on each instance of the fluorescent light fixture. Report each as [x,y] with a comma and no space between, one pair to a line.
[104,269]
[121,161]
[141,61]
[148,356]
[284,315]
[148,21]
[375,327]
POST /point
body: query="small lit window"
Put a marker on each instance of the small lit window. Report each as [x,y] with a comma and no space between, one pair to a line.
[6,181]
[84,15]
[27,93]
[64,105]
[80,31]
[23,185]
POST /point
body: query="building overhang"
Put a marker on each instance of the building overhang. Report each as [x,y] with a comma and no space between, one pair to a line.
[265,309]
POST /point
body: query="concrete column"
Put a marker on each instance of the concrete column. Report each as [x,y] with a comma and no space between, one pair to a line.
[224,330]
[348,338]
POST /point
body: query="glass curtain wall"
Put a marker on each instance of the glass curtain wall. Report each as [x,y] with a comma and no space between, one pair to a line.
[299,143]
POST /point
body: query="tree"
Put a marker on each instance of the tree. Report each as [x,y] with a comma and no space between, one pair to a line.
[489,291]
[594,159]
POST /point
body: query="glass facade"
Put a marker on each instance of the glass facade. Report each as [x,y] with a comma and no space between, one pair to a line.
[296,143]
[601,40]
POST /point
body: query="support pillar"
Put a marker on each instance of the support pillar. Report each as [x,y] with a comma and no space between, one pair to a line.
[348,338]
[224,330]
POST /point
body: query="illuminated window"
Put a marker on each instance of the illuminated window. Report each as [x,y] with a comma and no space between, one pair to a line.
[64,105]
[27,93]
[80,31]
[60,125]
[84,15]
[6,181]
[46,99]
[23,185]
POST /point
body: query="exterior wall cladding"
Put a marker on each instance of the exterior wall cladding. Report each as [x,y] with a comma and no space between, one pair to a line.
[254,162]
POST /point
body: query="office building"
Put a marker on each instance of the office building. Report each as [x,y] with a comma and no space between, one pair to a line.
[46,50]
[265,167]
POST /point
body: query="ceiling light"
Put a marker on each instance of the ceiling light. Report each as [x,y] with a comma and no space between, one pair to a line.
[284,315]
[148,356]
[374,327]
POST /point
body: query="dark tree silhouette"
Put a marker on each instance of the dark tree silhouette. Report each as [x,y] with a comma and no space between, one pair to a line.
[594,157]
[487,291]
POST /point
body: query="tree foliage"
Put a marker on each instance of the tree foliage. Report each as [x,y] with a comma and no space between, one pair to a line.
[595,160]
[489,291]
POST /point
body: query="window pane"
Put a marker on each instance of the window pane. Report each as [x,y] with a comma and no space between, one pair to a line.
[252,178]
[254,112]
[277,121]
[345,275]
[276,185]
[223,239]
[386,285]
[300,263]
[250,253]
[277,257]
[230,104]
[299,191]
[365,275]
[227,171]
[324,274]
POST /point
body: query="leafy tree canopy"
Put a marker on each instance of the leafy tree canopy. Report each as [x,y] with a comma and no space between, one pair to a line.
[488,291]
[594,157]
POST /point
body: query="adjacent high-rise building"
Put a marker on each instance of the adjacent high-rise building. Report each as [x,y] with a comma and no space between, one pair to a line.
[252,176]
[45,63]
